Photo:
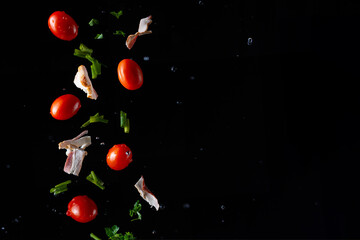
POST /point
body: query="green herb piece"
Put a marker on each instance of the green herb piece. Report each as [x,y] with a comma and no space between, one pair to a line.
[99,36]
[119,32]
[85,52]
[85,49]
[93,22]
[136,210]
[95,180]
[93,119]
[112,233]
[116,14]
[93,236]
[61,187]
[124,122]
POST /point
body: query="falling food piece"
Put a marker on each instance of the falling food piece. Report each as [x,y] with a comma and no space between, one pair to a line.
[142,30]
[75,150]
[146,194]
[83,82]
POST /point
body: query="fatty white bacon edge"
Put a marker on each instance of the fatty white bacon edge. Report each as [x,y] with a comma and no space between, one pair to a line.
[83,82]
[75,150]
[146,194]
[142,30]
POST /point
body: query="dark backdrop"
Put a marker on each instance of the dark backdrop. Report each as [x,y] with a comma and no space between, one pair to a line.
[236,140]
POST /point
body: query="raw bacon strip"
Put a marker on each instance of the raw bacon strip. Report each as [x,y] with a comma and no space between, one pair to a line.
[83,82]
[142,30]
[146,194]
[75,152]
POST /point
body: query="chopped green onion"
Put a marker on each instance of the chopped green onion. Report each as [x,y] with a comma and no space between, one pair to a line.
[61,187]
[119,32]
[95,180]
[99,36]
[93,119]
[85,49]
[93,22]
[85,52]
[93,236]
[116,14]
[127,126]
[124,122]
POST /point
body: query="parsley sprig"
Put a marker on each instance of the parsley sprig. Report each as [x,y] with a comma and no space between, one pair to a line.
[136,210]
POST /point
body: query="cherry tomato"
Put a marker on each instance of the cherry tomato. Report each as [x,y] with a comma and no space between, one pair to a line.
[130,74]
[65,107]
[119,157]
[63,26]
[82,209]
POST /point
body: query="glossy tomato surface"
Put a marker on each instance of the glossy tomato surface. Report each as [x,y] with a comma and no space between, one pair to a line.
[130,74]
[82,209]
[119,157]
[65,107]
[63,26]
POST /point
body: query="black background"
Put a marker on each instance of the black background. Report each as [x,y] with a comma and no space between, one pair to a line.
[235,140]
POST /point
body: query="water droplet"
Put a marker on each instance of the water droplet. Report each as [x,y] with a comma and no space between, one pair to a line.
[192,78]
[7,166]
[97,138]
[102,143]
[201,3]
[186,205]
[249,41]
[64,89]
[222,207]
[201,149]
[162,207]
[146,58]
[154,232]
[127,153]
[173,68]
[179,102]
[222,221]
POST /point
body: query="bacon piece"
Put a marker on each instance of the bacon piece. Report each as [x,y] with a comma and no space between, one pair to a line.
[142,30]
[146,194]
[75,150]
[83,82]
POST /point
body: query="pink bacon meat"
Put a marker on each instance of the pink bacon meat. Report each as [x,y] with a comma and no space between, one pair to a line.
[142,30]
[75,152]
[146,194]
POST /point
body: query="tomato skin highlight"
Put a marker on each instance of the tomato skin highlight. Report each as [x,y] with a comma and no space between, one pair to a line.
[119,157]
[65,107]
[82,209]
[63,26]
[130,74]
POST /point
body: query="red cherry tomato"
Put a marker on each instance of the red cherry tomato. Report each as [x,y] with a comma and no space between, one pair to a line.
[82,209]
[63,26]
[130,74]
[119,157]
[65,107]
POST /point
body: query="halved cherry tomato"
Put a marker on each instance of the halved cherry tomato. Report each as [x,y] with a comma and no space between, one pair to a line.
[65,107]
[119,157]
[63,26]
[82,209]
[130,74]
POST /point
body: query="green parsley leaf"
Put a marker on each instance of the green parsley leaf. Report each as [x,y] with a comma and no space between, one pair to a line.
[93,119]
[93,22]
[116,14]
[136,210]
[95,180]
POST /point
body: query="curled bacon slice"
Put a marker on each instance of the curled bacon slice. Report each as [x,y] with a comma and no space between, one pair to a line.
[142,30]
[146,194]
[75,152]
